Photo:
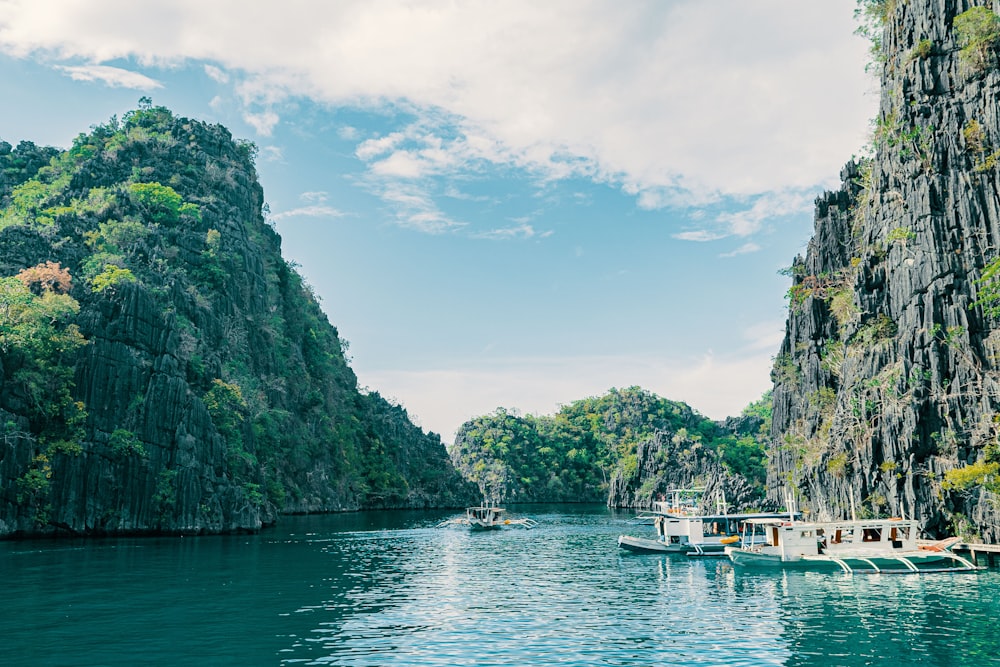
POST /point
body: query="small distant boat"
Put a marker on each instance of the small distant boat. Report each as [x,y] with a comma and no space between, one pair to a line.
[884,546]
[488,517]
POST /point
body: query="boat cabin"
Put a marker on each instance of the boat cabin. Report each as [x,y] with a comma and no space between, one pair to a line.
[679,530]
[709,528]
[792,539]
[485,515]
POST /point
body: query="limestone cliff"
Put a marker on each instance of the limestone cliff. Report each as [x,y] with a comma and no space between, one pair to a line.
[887,378]
[212,393]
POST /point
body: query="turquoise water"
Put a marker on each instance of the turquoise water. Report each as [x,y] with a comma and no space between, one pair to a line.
[391,589]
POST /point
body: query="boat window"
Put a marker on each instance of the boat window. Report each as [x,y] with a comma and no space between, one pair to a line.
[807,533]
[843,535]
[872,535]
[900,534]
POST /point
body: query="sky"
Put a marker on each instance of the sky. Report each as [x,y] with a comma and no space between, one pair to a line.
[513,204]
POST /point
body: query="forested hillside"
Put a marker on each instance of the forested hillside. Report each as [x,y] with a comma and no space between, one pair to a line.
[163,367]
[624,448]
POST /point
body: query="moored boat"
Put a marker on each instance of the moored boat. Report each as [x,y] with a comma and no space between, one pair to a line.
[853,546]
[682,529]
[697,535]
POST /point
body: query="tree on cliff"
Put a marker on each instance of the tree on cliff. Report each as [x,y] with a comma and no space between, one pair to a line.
[21,163]
[38,343]
[977,33]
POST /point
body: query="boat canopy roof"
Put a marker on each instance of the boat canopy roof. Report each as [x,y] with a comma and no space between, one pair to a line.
[845,523]
[745,516]
[748,516]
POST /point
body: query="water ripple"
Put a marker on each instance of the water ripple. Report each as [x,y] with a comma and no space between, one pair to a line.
[390,590]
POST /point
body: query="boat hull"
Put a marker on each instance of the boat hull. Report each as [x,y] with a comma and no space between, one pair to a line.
[748,558]
[700,549]
[480,527]
[902,563]
[645,546]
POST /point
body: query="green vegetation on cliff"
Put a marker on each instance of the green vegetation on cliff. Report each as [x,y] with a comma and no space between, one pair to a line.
[212,392]
[622,448]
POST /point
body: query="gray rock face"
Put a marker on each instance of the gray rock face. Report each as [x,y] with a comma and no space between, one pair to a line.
[670,459]
[888,373]
[664,462]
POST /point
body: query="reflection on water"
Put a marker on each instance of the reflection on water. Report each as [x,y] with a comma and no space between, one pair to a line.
[390,589]
[897,620]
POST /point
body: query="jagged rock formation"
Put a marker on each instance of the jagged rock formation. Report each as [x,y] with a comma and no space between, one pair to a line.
[888,375]
[213,391]
[664,464]
[676,454]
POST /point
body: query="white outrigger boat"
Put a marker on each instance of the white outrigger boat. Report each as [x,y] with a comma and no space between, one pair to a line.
[852,546]
[488,517]
[680,529]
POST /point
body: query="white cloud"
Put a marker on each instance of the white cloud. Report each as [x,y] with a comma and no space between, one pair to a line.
[315,211]
[420,151]
[271,154]
[699,235]
[263,122]
[444,399]
[314,197]
[679,100]
[744,249]
[414,208]
[114,77]
[521,230]
[216,74]
[401,164]
[765,335]
[372,148]
[768,207]
[349,133]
